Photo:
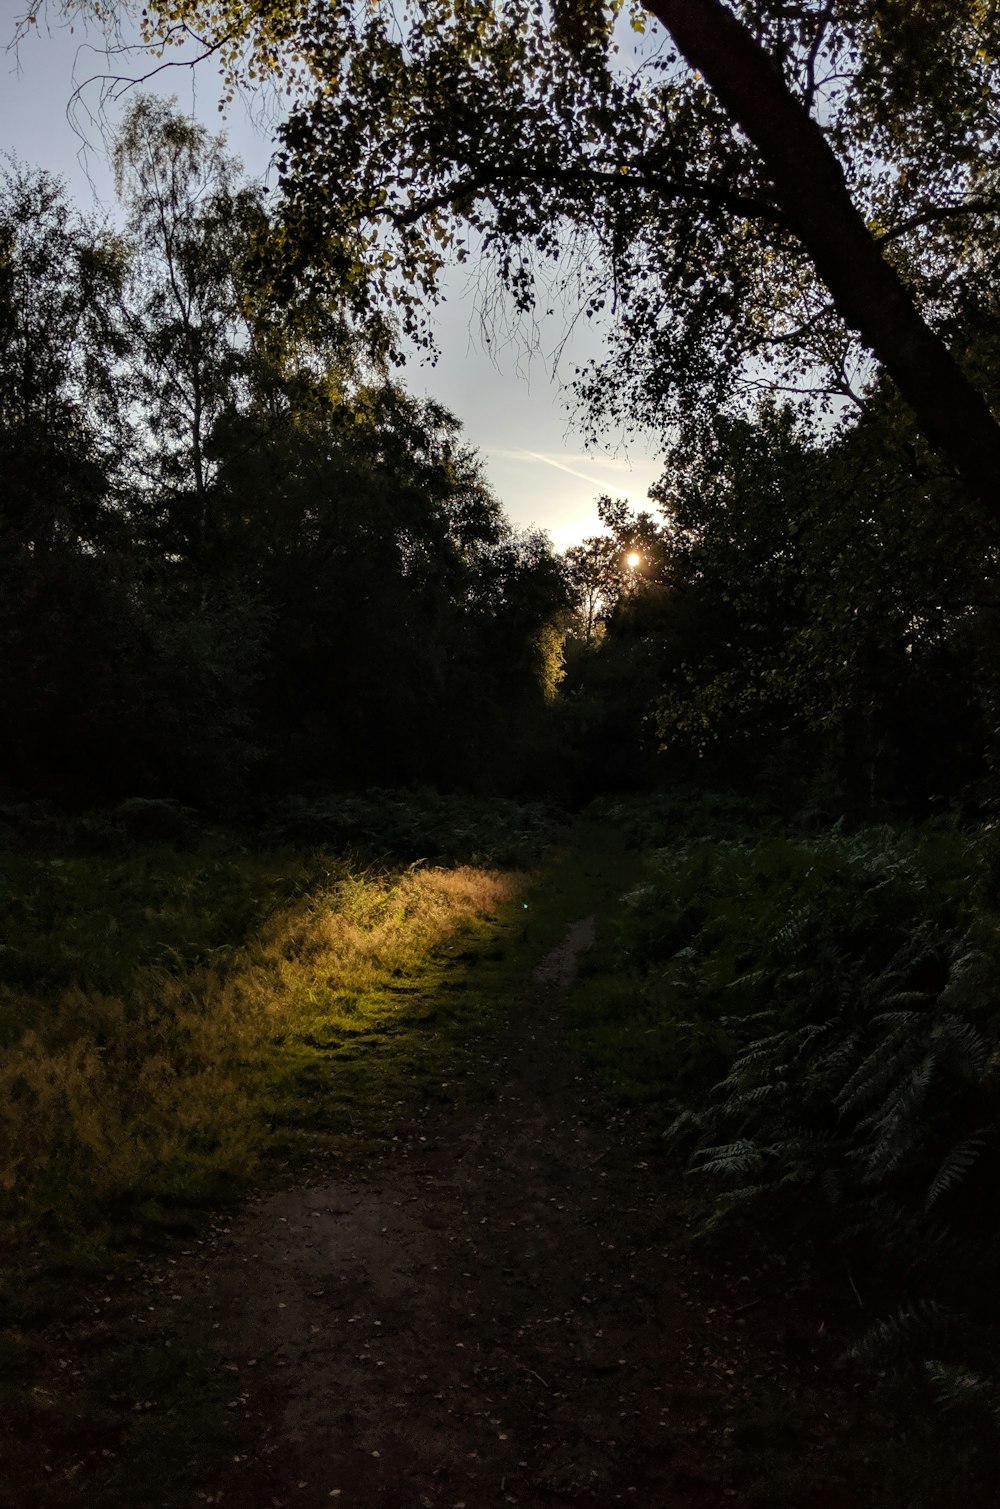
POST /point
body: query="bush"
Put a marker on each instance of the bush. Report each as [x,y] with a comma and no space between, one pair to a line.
[409,825]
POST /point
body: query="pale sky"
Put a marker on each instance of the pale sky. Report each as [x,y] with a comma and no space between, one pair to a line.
[511,408]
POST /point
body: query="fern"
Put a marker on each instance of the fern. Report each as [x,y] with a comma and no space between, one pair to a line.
[913,1324]
[958,1386]
[789,939]
[954,1167]
[963,1047]
[755,1096]
[880,1067]
[740,1157]
[830,1011]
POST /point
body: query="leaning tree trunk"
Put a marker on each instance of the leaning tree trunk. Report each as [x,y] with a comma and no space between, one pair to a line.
[813,191]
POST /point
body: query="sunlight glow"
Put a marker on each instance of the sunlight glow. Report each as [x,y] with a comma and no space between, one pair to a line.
[632,560]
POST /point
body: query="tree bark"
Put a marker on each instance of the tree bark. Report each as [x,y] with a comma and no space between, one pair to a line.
[813,192]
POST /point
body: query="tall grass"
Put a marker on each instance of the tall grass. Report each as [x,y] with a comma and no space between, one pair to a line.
[148,1004]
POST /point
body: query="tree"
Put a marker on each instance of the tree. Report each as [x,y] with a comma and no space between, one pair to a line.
[620,581]
[607,568]
[191,351]
[61,525]
[409,625]
[810,187]
[823,624]
[59,278]
[775,203]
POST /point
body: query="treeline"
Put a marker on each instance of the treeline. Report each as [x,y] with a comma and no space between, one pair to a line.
[811,621]
[236,555]
[234,552]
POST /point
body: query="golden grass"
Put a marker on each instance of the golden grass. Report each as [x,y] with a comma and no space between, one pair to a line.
[160,1088]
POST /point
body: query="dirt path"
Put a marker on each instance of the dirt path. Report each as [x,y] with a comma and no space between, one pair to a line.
[500,1313]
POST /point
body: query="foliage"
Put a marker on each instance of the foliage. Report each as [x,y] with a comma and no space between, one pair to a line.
[575,153]
[233,546]
[820,1015]
[422,824]
[680,815]
[822,559]
[617,583]
[316,576]
[800,629]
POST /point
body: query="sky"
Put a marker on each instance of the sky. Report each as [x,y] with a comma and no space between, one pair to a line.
[514,410]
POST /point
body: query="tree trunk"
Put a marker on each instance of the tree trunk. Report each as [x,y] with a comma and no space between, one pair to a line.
[813,191]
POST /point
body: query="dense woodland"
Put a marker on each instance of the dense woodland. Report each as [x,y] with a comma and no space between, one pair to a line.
[240,558]
[264,625]
[237,555]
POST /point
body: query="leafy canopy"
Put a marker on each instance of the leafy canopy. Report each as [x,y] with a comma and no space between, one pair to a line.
[582,158]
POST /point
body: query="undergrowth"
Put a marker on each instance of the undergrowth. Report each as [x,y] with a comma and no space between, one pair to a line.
[195,1014]
[377,825]
[683,814]
[821,1016]
[444,829]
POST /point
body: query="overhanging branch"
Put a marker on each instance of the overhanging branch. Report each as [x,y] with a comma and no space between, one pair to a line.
[479,185]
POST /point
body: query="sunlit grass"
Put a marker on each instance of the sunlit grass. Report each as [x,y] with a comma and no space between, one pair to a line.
[157,1013]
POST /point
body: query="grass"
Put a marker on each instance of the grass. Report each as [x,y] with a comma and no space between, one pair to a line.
[388,988]
[172,1016]
[174,1025]
[160,1011]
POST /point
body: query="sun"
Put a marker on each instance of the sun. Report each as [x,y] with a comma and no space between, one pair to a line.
[632,560]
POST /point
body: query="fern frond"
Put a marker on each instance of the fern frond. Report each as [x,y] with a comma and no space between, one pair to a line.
[903,1100]
[740,1157]
[897,1126]
[789,938]
[956,1386]
[881,1065]
[754,1098]
[906,1000]
[965,1047]
[829,1068]
[914,1320]
[758,1054]
[954,1167]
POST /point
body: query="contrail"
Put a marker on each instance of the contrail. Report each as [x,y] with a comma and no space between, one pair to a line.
[602,487]
[561,466]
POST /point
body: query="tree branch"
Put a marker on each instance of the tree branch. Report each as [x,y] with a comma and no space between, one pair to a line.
[479,184]
[822,25]
[937,213]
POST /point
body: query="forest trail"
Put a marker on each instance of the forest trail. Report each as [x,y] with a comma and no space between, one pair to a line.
[502,1311]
